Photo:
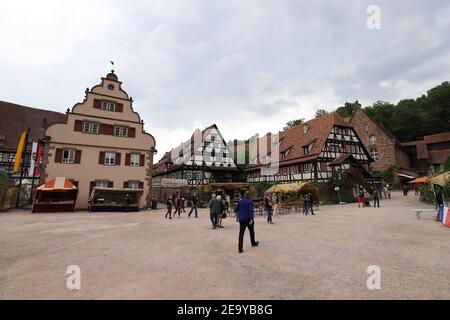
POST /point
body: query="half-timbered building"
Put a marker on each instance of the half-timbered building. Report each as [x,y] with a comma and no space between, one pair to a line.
[314,150]
[201,160]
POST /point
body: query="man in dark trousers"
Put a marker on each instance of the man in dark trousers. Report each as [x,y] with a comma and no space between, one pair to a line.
[194,201]
[215,207]
[246,220]
[376,198]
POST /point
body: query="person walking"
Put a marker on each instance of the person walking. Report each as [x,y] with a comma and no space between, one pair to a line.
[127,202]
[183,201]
[275,203]
[305,204]
[214,210]
[269,209]
[311,204]
[361,198]
[194,201]
[376,198]
[246,220]
[169,208]
[389,191]
[177,206]
[228,199]
[221,212]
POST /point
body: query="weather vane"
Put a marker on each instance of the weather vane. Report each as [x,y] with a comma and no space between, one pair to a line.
[112,63]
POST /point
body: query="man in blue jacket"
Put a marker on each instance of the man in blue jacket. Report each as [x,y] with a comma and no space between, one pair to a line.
[246,220]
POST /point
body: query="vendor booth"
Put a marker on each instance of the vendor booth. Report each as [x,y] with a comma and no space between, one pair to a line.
[438,184]
[114,200]
[57,195]
[291,195]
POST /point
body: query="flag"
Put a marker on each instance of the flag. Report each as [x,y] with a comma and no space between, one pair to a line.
[19,152]
[33,159]
[446,219]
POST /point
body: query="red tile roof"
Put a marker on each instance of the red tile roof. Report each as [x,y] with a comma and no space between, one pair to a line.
[296,138]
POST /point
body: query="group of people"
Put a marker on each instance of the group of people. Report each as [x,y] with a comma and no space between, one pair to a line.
[377,194]
[244,210]
[218,211]
[178,202]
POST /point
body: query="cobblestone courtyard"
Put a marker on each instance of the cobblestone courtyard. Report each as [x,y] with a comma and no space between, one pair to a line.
[144,256]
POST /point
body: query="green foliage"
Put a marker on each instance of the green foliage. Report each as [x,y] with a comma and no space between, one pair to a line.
[386,175]
[261,187]
[6,187]
[294,123]
[447,164]
[411,119]
[348,109]
[321,112]
[427,192]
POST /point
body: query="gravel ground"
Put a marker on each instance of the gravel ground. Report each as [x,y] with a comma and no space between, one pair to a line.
[144,256]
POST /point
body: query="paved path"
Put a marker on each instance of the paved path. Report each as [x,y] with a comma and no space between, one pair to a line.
[143,256]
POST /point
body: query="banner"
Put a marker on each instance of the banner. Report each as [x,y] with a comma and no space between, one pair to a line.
[446,219]
[33,159]
[19,152]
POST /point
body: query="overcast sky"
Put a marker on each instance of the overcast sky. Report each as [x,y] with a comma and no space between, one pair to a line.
[248,66]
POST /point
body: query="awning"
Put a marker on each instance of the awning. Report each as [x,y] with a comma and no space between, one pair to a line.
[292,187]
[441,179]
[420,180]
[405,176]
[59,183]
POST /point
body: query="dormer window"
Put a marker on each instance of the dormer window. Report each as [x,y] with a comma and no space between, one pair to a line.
[285,154]
[305,129]
[306,150]
[108,106]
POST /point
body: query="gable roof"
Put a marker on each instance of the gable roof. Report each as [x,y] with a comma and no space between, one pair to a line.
[295,138]
[15,119]
[166,160]
[378,124]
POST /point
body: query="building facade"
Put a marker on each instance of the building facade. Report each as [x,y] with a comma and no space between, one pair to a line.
[15,119]
[314,150]
[431,151]
[203,159]
[384,148]
[101,144]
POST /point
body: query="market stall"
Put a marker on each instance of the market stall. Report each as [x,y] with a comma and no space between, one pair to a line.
[57,195]
[114,200]
[439,182]
[292,195]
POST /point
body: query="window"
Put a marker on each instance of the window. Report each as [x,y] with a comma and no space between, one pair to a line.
[305,129]
[101,184]
[373,140]
[305,167]
[90,127]
[199,175]
[306,150]
[374,154]
[68,156]
[133,184]
[366,128]
[213,138]
[285,154]
[135,159]
[110,158]
[121,131]
[224,154]
[108,106]
[189,175]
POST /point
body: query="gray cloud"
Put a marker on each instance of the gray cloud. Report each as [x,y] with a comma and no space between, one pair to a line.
[248,66]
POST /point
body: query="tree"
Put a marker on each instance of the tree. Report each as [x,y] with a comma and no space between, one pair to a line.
[294,123]
[320,112]
[348,109]
[411,119]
